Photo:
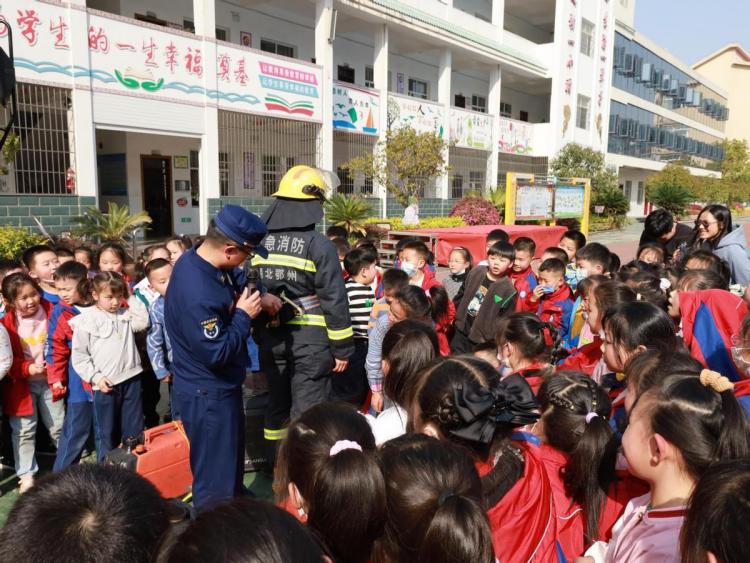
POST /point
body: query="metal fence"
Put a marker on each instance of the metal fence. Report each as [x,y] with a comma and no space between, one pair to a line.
[345,147]
[537,165]
[256,151]
[44,127]
[468,172]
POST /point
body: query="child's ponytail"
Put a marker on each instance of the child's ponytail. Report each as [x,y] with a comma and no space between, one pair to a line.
[733,440]
[435,510]
[347,506]
[328,455]
[702,418]
[458,532]
[438,303]
[575,412]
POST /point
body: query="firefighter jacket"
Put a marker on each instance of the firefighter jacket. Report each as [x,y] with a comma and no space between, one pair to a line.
[303,265]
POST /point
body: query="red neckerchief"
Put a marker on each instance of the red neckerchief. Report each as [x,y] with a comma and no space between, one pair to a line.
[533,367]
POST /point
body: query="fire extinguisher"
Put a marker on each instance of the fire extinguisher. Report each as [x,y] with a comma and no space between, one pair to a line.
[70,180]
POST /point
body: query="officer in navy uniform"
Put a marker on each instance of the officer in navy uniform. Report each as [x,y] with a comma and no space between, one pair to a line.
[208,314]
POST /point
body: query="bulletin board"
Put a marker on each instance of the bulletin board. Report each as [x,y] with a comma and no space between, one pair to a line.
[546,200]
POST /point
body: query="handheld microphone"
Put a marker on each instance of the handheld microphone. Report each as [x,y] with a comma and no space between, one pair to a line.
[252,279]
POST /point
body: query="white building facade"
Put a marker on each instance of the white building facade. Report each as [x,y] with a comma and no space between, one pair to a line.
[661,111]
[178,107]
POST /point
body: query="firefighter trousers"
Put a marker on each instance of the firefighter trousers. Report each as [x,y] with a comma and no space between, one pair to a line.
[299,377]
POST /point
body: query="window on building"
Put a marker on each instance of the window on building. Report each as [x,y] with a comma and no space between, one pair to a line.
[457,187]
[459,101]
[195,178]
[345,74]
[222,34]
[270,173]
[641,193]
[523,115]
[224,167]
[476,180]
[506,110]
[628,189]
[283,49]
[367,186]
[369,77]
[418,88]
[587,37]
[479,103]
[42,126]
[582,116]
[347,182]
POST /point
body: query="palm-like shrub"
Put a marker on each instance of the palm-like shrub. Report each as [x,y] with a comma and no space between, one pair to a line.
[349,212]
[117,225]
[674,199]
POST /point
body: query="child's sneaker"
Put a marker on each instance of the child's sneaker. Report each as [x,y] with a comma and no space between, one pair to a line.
[25,483]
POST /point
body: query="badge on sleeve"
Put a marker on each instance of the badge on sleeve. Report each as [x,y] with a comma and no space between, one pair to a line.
[210,328]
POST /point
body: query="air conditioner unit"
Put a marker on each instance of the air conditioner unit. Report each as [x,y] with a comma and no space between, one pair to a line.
[629,67]
[665,82]
[646,74]
[656,78]
[618,57]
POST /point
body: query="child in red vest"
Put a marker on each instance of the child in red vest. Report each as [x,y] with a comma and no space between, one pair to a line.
[521,274]
[26,395]
[551,300]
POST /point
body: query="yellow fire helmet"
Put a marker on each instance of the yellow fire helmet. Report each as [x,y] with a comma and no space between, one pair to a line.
[303,182]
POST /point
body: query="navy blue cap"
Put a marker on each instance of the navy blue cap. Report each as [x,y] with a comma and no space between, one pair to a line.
[243,227]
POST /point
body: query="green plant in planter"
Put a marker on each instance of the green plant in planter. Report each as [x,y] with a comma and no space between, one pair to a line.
[117,225]
[348,212]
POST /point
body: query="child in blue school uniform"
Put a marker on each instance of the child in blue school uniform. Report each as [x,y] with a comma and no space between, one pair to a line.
[71,282]
[158,272]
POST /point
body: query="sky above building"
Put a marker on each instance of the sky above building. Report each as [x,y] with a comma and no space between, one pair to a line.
[692,29]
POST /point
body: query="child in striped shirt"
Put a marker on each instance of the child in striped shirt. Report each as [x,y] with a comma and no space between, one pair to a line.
[351,386]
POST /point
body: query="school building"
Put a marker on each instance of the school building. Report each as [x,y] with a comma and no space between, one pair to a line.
[661,111]
[177,107]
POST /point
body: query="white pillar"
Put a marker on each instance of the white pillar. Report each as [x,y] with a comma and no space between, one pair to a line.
[324,57]
[444,99]
[380,75]
[83,139]
[204,14]
[493,101]
[498,16]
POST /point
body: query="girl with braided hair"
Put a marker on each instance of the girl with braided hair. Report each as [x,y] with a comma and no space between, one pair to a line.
[464,401]
[677,431]
[529,347]
[579,451]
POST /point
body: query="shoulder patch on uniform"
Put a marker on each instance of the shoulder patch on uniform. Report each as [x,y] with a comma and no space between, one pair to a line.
[522,294]
[210,328]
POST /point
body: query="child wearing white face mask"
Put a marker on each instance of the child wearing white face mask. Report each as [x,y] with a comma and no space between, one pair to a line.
[459,264]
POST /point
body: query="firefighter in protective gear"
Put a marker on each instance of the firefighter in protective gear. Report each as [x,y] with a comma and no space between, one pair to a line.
[312,336]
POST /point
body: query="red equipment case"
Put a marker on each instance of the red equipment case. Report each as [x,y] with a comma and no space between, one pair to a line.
[162,457]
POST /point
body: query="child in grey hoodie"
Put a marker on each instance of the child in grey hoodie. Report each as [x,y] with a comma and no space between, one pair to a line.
[104,354]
